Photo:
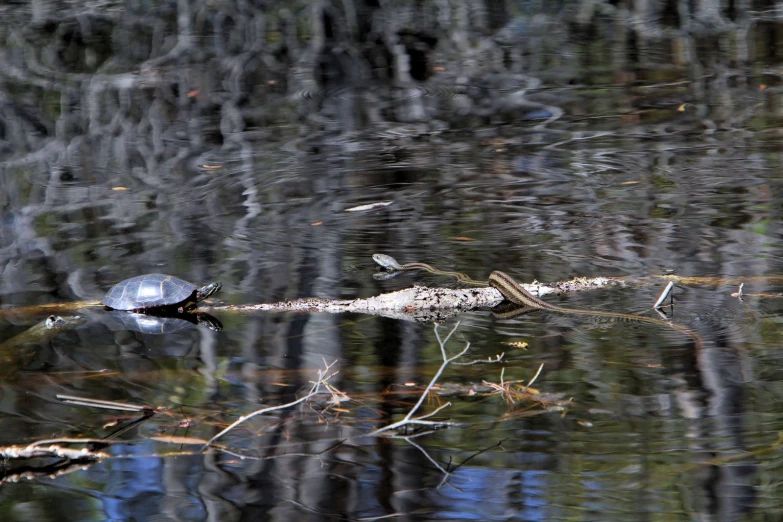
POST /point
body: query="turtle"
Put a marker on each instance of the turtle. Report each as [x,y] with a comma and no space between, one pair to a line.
[152,292]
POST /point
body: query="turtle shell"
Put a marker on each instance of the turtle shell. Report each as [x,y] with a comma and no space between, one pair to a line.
[151,291]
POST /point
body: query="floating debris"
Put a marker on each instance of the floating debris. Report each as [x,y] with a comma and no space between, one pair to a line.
[369,206]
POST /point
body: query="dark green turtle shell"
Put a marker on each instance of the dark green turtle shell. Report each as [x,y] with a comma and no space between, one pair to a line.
[156,291]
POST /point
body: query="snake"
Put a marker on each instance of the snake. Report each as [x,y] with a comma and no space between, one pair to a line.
[391,264]
[512,291]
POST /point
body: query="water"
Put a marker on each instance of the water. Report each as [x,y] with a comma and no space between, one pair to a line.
[557,150]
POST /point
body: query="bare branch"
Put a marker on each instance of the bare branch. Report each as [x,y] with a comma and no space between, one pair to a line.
[314,390]
[408,419]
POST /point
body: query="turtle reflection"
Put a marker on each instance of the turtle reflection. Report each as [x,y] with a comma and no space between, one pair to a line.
[160,323]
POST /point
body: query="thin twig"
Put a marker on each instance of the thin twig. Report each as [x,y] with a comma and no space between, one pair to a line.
[100,403]
[446,361]
[434,462]
[534,378]
[314,390]
[489,360]
[664,294]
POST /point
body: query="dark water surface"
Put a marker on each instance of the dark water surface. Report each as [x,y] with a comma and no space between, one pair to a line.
[227,143]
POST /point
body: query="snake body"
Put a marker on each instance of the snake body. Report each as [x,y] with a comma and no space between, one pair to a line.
[516,293]
[389,263]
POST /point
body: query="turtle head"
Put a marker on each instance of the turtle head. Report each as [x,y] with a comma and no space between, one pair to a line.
[206,291]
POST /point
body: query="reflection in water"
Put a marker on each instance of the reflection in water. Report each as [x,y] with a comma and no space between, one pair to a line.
[157,324]
[589,139]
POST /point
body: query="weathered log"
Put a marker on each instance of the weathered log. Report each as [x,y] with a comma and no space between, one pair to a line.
[418,303]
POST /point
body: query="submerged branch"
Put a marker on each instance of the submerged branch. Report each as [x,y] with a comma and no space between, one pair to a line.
[414,424]
[323,377]
[409,419]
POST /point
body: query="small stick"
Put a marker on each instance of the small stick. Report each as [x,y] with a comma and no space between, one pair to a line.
[409,419]
[534,377]
[314,390]
[99,403]
[664,294]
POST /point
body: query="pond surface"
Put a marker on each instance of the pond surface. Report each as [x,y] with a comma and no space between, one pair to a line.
[235,146]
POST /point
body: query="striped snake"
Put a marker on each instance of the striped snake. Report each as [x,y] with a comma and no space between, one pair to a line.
[516,293]
[391,264]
